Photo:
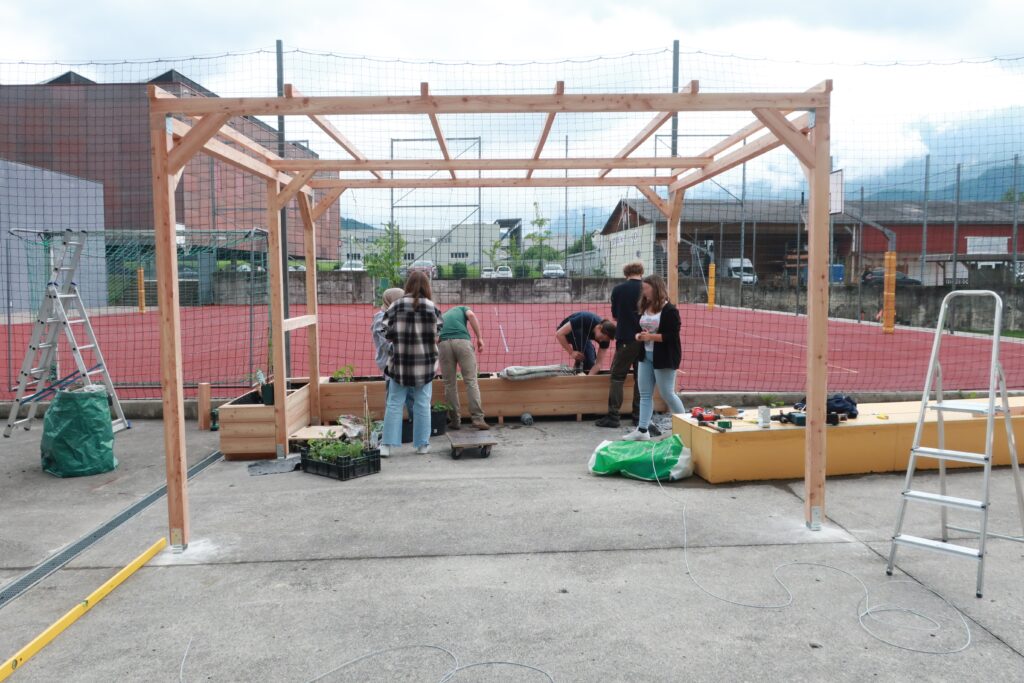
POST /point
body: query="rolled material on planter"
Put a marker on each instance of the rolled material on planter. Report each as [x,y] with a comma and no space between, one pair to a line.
[520,372]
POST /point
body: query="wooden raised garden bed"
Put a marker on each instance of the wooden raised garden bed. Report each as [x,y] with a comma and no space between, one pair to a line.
[247,426]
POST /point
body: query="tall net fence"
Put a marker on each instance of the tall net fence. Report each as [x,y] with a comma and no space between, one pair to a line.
[934,178]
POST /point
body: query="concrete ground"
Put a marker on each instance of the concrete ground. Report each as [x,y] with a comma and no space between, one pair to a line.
[523,557]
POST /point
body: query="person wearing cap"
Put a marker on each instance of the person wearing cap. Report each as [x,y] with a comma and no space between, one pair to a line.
[383,348]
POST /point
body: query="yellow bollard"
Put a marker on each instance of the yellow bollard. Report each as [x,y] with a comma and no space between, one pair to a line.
[43,639]
[140,283]
[711,286]
[889,294]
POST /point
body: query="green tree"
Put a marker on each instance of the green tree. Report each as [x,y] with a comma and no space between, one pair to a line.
[384,257]
[540,235]
[1008,196]
[585,243]
[492,253]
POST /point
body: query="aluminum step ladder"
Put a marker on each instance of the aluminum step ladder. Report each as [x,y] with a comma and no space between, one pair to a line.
[997,404]
[61,309]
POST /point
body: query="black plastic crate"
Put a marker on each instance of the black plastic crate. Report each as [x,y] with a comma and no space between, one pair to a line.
[345,468]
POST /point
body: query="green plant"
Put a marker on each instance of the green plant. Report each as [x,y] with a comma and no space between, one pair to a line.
[771,400]
[346,373]
[521,270]
[459,271]
[333,450]
[440,407]
[541,233]
[384,257]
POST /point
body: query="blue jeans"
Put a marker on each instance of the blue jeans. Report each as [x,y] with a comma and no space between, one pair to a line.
[666,381]
[397,396]
[409,402]
[589,354]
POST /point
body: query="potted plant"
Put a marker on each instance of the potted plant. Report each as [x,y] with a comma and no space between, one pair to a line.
[339,459]
[438,422]
[346,373]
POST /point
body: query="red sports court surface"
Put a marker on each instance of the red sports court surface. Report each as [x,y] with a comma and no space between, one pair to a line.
[726,349]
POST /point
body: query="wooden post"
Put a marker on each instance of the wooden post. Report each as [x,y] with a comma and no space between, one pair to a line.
[277,276]
[170,330]
[889,294]
[140,283]
[312,331]
[203,406]
[817,320]
[675,200]
[711,286]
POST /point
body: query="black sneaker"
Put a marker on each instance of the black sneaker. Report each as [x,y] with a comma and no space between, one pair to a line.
[653,430]
[608,421]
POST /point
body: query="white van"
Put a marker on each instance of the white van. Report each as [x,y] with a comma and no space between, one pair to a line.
[741,269]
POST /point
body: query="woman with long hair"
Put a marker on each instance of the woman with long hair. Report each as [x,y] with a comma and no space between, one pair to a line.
[659,332]
[411,324]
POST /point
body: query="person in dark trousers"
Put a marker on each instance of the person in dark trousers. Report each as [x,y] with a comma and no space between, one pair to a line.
[575,334]
[663,352]
[628,351]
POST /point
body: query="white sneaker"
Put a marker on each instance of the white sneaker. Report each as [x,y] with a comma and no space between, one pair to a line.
[385,451]
[423,450]
[637,435]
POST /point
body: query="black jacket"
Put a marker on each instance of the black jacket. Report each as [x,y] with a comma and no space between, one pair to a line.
[668,353]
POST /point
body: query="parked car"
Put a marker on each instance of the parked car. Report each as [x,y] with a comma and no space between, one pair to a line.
[424,266]
[352,266]
[554,270]
[487,272]
[876,276]
[503,272]
[297,269]
[741,269]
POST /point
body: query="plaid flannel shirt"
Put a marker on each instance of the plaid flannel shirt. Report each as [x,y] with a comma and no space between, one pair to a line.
[414,334]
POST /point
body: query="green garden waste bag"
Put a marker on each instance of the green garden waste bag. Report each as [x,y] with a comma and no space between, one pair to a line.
[78,436]
[665,460]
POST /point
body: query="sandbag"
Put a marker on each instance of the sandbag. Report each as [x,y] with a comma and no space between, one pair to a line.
[664,460]
[78,436]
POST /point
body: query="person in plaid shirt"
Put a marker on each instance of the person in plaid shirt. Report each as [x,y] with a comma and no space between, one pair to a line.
[412,324]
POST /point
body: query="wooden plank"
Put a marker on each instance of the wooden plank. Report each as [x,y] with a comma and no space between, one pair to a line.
[551,164]
[203,406]
[329,128]
[655,199]
[274,248]
[546,130]
[489,104]
[299,322]
[292,188]
[647,131]
[233,157]
[330,197]
[787,132]
[616,181]
[436,125]
[193,141]
[675,213]
[265,429]
[763,144]
[312,306]
[817,320]
[171,381]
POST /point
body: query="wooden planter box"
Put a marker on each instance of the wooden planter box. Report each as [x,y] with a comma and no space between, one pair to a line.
[247,426]
[545,396]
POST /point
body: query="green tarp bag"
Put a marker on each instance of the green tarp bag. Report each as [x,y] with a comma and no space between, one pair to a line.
[78,436]
[665,460]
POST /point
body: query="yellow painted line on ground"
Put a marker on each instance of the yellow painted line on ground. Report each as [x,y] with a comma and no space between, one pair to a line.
[43,639]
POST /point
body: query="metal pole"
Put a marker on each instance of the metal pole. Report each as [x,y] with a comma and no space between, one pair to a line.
[1015,198]
[675,89]
[743,226]
[924,218]
[565,215]
[479,211]
[860,256]
[956,225]
[284,214]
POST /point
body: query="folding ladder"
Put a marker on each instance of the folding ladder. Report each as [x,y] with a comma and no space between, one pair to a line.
[61,309]
[989,409]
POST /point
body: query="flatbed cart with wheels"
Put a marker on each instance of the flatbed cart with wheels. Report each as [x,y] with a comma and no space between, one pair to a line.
[480,442]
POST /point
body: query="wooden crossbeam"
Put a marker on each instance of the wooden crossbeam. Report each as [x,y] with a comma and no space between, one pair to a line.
[409,184]
[292,188]
[436,125]
[548,122]
[653,198]
[193,141]
[576,163]
[329,128]
[321,207]
[651,128]
[233,157]
[763,144]
[787,132]
[301,321]
[490,104]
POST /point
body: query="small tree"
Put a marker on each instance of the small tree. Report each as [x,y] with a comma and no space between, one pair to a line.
[541,234]
[585,243]
[492,253]
[384,257]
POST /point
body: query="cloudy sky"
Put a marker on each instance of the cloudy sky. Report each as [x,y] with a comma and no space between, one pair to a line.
[867,30]
[884,117]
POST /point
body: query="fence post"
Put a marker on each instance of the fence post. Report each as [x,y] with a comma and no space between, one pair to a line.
[140,284]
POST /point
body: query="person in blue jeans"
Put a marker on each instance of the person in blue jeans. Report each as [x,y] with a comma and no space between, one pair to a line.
[412,324]
[382,346]
[659,332]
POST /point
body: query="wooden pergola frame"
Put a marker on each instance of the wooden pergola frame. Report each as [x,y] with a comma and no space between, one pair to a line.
[180,128]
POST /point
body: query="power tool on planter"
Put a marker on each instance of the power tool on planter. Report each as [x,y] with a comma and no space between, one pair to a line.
[794,417]
[704,415]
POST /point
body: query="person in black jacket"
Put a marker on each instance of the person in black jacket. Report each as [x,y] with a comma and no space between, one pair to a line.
[628,351]
[659,331]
